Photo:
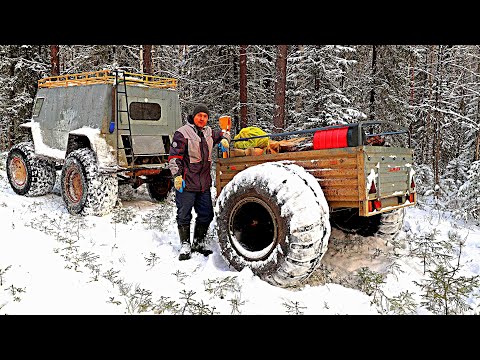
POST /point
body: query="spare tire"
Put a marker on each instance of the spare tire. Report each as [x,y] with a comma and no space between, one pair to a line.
[385,225]
[273,218]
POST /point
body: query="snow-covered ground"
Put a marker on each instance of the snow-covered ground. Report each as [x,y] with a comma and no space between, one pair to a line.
[127,263]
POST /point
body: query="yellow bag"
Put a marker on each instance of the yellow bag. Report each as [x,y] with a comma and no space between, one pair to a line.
[251,131]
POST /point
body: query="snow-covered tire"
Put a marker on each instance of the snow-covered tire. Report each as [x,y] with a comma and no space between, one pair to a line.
[387,225]
[27,174]
[161,186]
[391,224]
[84,189]
[273,218]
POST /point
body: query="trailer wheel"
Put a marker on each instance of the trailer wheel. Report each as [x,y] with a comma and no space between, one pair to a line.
[84,190]
[273,219]
[385,225]
[161,186]
[27,174]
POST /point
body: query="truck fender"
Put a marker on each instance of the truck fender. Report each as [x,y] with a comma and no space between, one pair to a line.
[90,138]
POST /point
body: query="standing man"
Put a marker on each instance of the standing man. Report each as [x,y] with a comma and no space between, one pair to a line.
[190,162]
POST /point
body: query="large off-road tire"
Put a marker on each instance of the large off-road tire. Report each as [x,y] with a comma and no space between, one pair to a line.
[161,186]
[27,174]
[385,225]
[273,218]
[84,190]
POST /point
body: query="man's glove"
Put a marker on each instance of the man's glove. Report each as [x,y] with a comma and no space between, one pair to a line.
[224,145]
[227,135]
[179,183]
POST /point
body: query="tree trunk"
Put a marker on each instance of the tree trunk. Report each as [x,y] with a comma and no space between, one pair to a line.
[147,67]
[477,144]
[428,153]
[374,75]
[280,85]
[300,85]
[55,59]
[11,97]
[438,115]
[477,141]
[243,86]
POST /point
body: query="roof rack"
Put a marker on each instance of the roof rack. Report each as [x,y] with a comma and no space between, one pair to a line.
[106,77]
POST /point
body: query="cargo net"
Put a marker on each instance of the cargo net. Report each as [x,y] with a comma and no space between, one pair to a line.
[106,77]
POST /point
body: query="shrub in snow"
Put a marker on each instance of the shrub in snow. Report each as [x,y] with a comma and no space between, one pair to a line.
[137,301]
[446,291]
[431,249]
[424,180]
[193,307]
[123,215]
[469,194]
[221,286]
[3,159]
[369,281]
[159,218]
[2,274]
[294,307]
[403,304]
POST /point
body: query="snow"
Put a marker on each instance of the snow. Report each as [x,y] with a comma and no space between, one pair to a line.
[40,147]
[127,262]
[371,178]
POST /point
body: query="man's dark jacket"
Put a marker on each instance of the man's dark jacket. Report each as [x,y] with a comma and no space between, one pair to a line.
[191,155]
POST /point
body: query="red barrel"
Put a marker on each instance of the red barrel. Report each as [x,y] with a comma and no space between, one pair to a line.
[330,138]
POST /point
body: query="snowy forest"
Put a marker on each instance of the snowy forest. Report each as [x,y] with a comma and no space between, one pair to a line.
[433,90]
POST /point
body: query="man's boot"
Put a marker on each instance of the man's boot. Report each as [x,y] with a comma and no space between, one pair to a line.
[185,250]
[199,235]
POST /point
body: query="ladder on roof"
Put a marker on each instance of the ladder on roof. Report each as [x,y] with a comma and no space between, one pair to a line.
[126,142]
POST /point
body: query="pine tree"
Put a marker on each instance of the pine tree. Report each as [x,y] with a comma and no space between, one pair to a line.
[446,291]
[469,194]
[20,68]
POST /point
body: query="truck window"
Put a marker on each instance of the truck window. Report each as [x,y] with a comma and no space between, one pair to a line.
[38,106]
[145,111]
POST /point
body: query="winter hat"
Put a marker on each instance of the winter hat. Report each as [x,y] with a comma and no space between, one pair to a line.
[200,108]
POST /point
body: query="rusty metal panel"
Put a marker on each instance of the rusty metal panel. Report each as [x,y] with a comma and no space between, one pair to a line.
[147,145]
[70,108]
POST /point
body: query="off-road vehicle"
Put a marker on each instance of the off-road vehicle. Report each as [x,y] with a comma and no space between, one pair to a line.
[102,129]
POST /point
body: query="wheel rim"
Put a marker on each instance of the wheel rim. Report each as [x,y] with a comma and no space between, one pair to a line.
[73,185]
[18,171]
[253,228]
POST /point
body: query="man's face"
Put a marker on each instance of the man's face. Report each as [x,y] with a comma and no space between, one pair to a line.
[200,119]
